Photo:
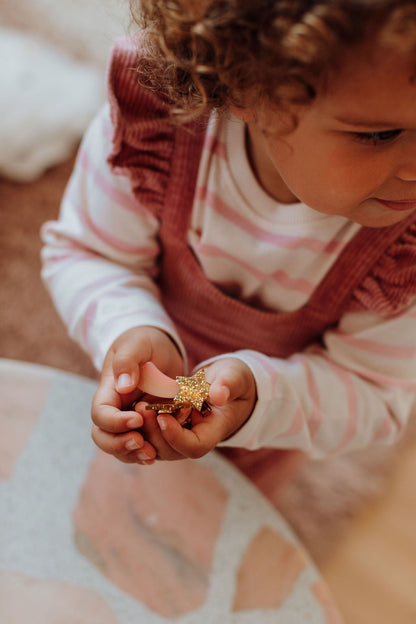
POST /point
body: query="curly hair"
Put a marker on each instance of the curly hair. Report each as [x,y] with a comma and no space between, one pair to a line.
[209,54]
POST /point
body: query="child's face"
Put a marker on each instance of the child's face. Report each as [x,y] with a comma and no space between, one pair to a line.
[353,152]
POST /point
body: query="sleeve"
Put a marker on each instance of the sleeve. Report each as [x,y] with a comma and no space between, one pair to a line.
[100,258]
[355,390]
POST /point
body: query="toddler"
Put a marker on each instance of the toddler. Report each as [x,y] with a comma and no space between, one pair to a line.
[246,203]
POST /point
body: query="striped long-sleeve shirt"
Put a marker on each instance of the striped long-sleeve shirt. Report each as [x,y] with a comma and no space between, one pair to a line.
[101,260]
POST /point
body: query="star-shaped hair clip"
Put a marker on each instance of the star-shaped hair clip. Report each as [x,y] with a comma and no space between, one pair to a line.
[193,391]
[185,392]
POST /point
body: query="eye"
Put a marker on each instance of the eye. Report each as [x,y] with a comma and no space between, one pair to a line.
[377,138]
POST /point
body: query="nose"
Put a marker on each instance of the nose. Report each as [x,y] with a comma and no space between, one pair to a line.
[406,169]
[407,173]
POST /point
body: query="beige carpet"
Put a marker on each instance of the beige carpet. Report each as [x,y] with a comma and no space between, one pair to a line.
[29,326]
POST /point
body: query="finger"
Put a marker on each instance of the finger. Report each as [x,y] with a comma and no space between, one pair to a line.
[126,375]
[129,448]
[120,445]
[111,419]
[125,365]
[228,383]
[195,442]
[146,455]
[219,393]
[107,394]
[107,409]
[152,433]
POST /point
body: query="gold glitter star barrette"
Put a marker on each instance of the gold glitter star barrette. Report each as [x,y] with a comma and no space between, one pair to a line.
[193,393]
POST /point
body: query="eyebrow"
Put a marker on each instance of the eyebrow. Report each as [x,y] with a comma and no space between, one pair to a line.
[367,123]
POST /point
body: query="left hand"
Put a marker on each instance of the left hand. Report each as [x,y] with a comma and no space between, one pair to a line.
[232,397]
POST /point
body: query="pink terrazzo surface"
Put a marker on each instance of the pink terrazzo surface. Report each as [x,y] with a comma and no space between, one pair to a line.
[87,539]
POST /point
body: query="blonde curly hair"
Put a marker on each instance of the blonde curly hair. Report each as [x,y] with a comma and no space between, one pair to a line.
[209,54]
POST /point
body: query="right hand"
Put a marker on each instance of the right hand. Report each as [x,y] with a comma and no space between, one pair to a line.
[115,426]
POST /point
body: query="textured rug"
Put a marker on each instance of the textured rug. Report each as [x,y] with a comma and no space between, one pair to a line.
[325,496]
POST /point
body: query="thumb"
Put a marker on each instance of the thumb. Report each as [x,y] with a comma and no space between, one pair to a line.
[130,374]
[125,371]
[230,380]
[219,392]
[225,389]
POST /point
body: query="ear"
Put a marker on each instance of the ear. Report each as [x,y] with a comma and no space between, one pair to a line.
[243,114]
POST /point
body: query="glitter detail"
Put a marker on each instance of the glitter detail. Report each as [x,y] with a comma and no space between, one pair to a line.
[162,408]
[193,391]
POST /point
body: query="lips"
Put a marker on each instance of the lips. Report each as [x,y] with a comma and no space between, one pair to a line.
[402,205]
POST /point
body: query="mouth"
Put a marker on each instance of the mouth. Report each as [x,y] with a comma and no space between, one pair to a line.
[402,205]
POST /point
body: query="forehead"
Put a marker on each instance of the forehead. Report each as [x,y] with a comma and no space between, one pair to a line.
[375,80]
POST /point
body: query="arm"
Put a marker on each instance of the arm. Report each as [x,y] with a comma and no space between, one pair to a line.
[100,261]
[100,258]
[358,389]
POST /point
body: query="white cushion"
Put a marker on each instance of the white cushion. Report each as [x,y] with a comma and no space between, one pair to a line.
[46,103]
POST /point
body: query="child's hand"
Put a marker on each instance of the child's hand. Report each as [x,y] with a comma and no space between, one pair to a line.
[232,396]
[114,424]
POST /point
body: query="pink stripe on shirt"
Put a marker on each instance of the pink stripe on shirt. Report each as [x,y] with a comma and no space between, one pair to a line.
[63,264]
[281,277]
[352,401]
[83,293]
[378,348]
[109,239]
[288,242]
[295,427]
[137,316]
[385,430]
[121,199]
[213,145]
[315,418]
[386,380]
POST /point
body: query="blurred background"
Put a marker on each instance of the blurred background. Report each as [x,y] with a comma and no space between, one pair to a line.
[52,80]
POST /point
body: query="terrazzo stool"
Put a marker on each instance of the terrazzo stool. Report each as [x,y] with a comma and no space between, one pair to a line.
[85,539]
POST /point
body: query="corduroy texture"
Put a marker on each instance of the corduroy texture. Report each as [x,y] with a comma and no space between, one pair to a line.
[162,162]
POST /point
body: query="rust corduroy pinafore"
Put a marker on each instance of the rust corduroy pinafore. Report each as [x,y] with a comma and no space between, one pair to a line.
[162,161]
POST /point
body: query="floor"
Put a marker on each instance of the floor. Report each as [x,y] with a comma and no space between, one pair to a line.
[372,573]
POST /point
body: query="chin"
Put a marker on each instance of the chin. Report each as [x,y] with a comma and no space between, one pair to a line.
[370,215]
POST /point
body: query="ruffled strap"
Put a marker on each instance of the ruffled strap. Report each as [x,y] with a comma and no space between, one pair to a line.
[143,139]
[391,284]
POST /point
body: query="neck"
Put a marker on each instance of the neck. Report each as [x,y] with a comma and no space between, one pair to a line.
[265,172]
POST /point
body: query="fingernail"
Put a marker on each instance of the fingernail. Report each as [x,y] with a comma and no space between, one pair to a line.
[142,455]
[162,422]
[124,380]
[132,445]
[226,393]
[134,423]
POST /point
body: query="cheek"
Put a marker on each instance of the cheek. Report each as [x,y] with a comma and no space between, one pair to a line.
[344,174]
[314,174]
[327,174]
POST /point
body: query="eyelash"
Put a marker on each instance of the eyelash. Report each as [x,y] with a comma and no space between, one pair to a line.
[377,138]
